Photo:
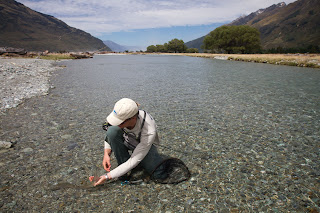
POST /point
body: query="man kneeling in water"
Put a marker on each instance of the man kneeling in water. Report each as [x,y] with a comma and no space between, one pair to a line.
[126,119]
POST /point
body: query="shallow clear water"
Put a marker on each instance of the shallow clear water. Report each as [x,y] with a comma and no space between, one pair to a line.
[191,94]
[248,132]
[194,85]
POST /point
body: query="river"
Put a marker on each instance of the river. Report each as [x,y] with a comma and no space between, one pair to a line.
[251,133]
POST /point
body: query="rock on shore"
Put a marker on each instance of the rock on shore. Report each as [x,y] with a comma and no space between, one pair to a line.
[23,78]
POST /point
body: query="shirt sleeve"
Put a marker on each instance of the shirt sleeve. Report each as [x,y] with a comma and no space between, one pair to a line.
[137,156]
[106,145]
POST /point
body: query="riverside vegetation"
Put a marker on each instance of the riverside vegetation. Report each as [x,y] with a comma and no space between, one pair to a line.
[300,60]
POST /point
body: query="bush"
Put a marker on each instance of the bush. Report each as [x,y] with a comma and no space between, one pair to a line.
[233,39]
[192,50]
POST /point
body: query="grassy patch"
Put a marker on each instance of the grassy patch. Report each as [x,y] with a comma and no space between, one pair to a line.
[56,57]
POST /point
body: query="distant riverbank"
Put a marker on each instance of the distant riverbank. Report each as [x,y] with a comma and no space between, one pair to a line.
[300,60]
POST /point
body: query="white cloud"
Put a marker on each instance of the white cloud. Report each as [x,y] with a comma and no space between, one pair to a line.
[96,16]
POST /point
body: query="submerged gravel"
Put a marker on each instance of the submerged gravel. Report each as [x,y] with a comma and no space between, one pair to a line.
[249,138]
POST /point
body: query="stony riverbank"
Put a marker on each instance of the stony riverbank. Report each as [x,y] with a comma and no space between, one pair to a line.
[23,78]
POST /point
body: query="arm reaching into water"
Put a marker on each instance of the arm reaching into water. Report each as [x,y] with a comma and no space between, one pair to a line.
[106,160]
[100,180]
[106,165]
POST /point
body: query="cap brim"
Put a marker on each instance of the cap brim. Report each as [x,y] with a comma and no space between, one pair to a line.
[113,120]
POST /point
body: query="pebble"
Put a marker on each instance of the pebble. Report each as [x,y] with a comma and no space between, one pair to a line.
[27,150]
[5,144]
[190,201]
[72,146]
[66,136]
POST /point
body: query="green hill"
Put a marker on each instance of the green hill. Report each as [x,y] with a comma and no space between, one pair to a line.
[22,27]
[296,25]
[196,43]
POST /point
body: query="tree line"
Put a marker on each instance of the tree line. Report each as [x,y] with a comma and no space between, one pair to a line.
[225,39]
[241,39]
[173,46]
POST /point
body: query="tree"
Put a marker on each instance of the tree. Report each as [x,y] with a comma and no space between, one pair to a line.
[161,48]
[233,39]
[176,45]
[165,46]
[192,50]
[151,49]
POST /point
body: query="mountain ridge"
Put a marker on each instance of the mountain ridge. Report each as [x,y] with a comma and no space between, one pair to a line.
[296,25]
[121,48]
[23,27]
[245,19]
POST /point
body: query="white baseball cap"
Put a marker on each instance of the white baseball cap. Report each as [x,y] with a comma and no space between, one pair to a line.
[124,108]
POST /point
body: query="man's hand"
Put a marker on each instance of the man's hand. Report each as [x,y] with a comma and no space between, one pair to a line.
[106,160]
[100,180]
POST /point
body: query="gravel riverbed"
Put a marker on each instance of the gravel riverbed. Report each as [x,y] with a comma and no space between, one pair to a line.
[255,148]
[23,78]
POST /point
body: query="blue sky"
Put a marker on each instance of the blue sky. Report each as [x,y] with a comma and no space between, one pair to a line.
[146,22]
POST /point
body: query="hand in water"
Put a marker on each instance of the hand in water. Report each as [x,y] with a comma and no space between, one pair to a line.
[97,180]
[106,162]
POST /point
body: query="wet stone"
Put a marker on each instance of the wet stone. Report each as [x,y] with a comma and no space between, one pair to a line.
[5,145]
[27,150]
[66,136]
[72,146]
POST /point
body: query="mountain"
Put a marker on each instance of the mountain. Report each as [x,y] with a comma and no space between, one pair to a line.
[114,46]
[22,27]
[262,13]
[296,25]
[289,26]
[196,43]
[121,48]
